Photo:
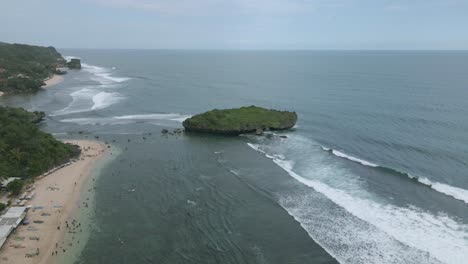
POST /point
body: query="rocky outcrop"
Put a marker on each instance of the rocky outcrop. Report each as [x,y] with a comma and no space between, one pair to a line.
[74,64]
[242,120]
[37,117]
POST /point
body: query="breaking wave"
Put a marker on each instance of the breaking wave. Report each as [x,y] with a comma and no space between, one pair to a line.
[93,97]
[102,75]
[88,98]
[368,231]
[105,99]
[455,192]
[128,119]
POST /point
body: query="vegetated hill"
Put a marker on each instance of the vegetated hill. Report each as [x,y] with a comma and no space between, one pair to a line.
[240,120]
[23,68]
[25,150]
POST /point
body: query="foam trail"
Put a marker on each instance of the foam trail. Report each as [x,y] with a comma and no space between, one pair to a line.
[102,75]
[348,157]
[170,116]
[455,192]
[440,235]
[126,119]
[105,99]
[68,58]
[80,102]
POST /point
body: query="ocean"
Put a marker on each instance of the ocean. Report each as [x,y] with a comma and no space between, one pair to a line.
[375,171]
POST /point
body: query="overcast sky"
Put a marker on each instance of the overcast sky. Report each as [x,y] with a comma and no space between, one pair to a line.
[237,24]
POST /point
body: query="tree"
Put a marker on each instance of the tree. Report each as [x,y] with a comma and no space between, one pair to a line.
[3,170]
[26,151]
[15,186]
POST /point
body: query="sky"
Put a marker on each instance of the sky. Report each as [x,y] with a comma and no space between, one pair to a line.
[237,24]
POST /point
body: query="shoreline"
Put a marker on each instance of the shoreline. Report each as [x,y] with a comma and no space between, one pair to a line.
[54,80]
[56,200]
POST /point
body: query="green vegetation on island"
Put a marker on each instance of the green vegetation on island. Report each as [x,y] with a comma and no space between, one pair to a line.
[74,64]
[23,68]
[240,120]
[26,151]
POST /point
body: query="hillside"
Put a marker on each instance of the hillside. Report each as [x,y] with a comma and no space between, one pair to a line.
[25,150]
[23,68]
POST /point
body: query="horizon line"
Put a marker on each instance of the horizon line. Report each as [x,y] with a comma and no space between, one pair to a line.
[256,49]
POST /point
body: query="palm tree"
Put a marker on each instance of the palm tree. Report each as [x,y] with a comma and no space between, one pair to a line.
[17,155]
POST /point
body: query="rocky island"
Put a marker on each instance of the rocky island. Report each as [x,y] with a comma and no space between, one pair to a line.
[74,64]
[240,120]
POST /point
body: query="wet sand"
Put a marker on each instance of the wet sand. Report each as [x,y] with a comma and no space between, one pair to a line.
[56,79]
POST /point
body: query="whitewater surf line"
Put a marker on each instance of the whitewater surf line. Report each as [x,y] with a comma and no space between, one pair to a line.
[392,234]
[455,192]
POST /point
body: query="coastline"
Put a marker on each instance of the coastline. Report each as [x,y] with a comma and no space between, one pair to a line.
[54,80]
[57,197]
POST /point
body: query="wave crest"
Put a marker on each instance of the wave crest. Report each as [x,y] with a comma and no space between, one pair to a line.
[382,233]
[455,192]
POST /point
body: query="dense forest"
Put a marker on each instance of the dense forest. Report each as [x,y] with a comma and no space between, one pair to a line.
[23,68]
[25,150]
[240,120]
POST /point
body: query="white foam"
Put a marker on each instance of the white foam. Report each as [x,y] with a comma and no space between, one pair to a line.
[439,235]
[102,75]
[89,98]
[68,58]
[105,99]
[81,102]
[455,192]
[169,116]
[363,162]
[126,119]
[96,121]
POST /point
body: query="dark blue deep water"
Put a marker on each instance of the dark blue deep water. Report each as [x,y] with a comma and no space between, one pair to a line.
[376,170]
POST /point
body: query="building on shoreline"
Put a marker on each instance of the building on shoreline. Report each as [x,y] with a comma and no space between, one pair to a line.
[5,182]
[9,221]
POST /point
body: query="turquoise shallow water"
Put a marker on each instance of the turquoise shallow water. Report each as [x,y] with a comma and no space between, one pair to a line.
[374,172]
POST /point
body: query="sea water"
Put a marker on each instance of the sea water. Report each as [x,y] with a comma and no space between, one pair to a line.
[374,172]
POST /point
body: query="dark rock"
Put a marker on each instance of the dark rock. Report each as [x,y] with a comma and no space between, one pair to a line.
[259,132]
[283,136]
[74,64]
[38,116]
[164,131]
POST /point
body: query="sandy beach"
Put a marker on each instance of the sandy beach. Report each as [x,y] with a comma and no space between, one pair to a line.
[57,196]
[56,79]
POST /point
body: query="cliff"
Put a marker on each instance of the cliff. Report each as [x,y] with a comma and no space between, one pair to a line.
[23,68]
[26,151]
